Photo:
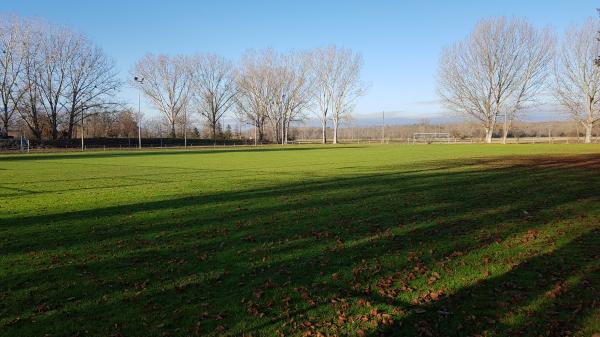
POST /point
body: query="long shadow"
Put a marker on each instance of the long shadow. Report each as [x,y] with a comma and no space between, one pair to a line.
[552,293]
[281,259]
[383,185]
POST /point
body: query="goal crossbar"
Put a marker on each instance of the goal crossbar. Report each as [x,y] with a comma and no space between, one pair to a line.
[431,137]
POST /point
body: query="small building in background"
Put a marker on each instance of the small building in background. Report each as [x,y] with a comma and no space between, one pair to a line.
[14,133]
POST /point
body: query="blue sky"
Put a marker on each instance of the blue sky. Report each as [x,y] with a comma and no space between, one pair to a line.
[399,40]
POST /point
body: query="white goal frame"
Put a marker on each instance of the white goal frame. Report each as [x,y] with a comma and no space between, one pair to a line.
[431,137]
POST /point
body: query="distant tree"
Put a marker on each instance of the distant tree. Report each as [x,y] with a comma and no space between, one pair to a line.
[166,84]
[213,88]
[496,72]
[255,91]
[337,76]
[31,109]
[297,88]
[577,78]
[92,82]
[57,50]
[11,67]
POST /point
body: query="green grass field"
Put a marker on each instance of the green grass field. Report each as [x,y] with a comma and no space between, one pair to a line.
[396,240]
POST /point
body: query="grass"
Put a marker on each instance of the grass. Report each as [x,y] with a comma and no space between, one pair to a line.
[456,240]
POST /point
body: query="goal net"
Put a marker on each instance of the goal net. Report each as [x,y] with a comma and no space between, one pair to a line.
[432,137]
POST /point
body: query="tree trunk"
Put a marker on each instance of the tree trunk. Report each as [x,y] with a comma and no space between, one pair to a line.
[505,131]
[505,128]
[287,127]
[54,129]
[71,126]
[4,129]
[324,135]
[588,132]
[214,132]
[173,129]
[489,132]
[275,131]
[335,131]
[35,129]
[5,122]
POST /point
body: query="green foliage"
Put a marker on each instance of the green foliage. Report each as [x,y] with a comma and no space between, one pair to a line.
[308,241]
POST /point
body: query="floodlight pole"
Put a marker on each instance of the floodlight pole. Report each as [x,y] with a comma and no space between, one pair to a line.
[82,116]
[282,118]
[139,80]
[139,120]
[185,128]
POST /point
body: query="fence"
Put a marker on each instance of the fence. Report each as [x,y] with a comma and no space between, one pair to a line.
[13,145]
[115,143]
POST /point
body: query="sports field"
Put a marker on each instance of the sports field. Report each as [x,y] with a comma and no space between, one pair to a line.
[392,240]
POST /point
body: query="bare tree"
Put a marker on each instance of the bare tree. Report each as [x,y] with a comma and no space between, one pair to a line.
[213,88]
[298,87]
[52,71]
[275,76]
[255,90]
[323,67]
[11,66]
[337,73]
[499,68]
[30,110]
[346,86]
[534,56]
[92,82]
[577,76]
[166,84]
[57,49]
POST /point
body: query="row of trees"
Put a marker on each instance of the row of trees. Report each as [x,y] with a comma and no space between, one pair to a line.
[267,90]
[506,67]
[51,76]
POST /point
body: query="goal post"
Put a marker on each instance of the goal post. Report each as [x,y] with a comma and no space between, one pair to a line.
[431,137]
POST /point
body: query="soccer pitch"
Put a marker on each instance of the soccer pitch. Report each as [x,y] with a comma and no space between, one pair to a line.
[346,240]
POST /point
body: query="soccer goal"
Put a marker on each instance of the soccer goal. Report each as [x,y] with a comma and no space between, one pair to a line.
[430,138]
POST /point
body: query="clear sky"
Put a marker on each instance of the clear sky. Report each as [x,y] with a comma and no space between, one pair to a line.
[399,40]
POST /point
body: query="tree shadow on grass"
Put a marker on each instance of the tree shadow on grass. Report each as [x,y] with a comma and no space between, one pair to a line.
[289,259]
[550,294]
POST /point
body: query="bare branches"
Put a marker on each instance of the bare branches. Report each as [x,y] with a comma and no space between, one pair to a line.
[167,84]
[92,81]
[337,76]
[11,67]
[50,73]
[213,87]
[298,88]
[577,79]
[497,71]
[276,89]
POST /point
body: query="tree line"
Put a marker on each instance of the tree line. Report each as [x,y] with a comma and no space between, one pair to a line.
[51,75]
[54,78]
[506,67]
[268,90]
